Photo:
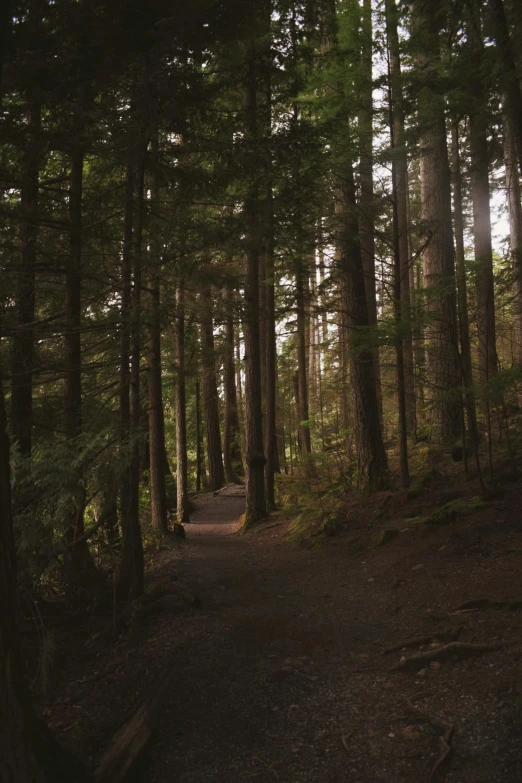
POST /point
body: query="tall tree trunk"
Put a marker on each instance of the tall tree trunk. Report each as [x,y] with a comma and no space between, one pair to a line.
[181,413]
[399,349]
[18,760]
[305,446]
[366,200]
[78,562]
[125,311]
[29,751]
[442,366]
[515,230]
[18,735]
[417,307]
[23,343]
[509,75]
[231,442]
[399,247]
[210,395]
[400,173]
[323,295]
[268,283]
[372,462]
[460,268]
[199,449]
[129,584]
[312,342]
[157,466]
[479,176]
[255,459]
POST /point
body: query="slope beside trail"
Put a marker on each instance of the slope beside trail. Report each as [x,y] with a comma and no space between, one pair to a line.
[280,674]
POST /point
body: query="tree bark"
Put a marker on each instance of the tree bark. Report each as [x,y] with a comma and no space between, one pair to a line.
[442,364]
[255,459]
[398,247]
[157,466]
[200,470]
[460,268]
[29,752]
[509,75]
[79,565]
[18,760]
[515,230]
[366,200]
[181,413]
[231,436]
[270,356]
[23,342]
[216,473]
[372,462]
[305,446]
[400,172]
[479,177]
[129,582]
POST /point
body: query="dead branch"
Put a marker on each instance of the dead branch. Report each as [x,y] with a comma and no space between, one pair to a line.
[344,740]
[461,649]
[488,603]
[416,641]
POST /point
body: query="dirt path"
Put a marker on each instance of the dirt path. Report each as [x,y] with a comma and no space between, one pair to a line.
[280,675]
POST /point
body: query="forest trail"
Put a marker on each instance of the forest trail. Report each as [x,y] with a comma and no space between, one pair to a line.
[280,674]
[262,692]
[218,513]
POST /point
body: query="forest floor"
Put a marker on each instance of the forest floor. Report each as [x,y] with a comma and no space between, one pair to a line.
[280,675]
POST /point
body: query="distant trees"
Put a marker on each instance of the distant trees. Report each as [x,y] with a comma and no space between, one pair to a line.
[229,246]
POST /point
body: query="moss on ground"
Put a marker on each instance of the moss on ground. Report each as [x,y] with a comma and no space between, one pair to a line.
[456,509]
[382,538]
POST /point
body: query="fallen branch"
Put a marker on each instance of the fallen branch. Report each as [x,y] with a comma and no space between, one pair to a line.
[488,603]
[416,641]
[461,649]
[344,740]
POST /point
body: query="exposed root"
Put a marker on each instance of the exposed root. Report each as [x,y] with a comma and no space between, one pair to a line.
[168,586]
[460,649]
[344,740]
[416,641]
[445,750]
[488,603]
[444,731]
